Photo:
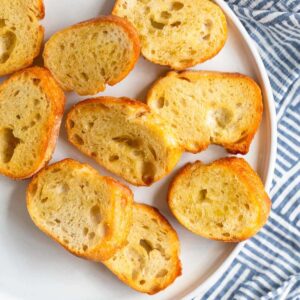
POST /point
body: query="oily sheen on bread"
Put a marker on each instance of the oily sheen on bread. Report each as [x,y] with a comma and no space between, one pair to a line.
[86,56]
[176,33]
[205,108]
[224,200]
[88,214]
[31,108]
[123,136]
[149,262]
[21,35]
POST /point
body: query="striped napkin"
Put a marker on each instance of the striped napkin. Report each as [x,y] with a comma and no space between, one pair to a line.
[268,266]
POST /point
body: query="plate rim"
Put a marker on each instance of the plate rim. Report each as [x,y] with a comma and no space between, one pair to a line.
[206,284]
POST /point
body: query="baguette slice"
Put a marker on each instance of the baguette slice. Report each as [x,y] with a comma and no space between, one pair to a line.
[149,262]
[21,35]
[31,108]
[86,56]
[209,108]
[179,34]
[88,214]
[124,137]
[224,200]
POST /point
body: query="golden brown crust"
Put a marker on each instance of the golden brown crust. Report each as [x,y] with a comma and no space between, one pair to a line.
[41,13]
[175,244]
[246,174]
[240,147]
[128,28]
[186,65]
[57,99]
[107,247]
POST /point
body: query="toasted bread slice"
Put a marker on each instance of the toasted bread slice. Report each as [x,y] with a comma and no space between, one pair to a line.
[124,137]
[21,36]
[179,34]
[37,7]
[224,200]
[149,262]
[209,108]
[31,108]
[86,56]
[88,214]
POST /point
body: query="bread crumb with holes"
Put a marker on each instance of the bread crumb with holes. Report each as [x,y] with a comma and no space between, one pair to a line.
[224,200]
[88,214]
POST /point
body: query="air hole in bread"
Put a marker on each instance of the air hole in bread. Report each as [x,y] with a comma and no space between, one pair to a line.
[208,25]
[2,23]
[185,79]
[57,221]
[142,282]
[220,117]
[247,206]
[148,172]
[157,25]
[161,273]
[95,214]
[113,158]
[36,81]
[220,225]
[160,102]
[78,139]
[44,200]
[202,194]
[226,234]
[84,76]
[84,247]
[16,93]
[62,188]
[8,144]
[177,5]
[18,117]
[165,14]
[85,231]
[91,235]
[176,24]
[66,241]
[146,245]
[94,154]
[206,37]
[38,116]
[71,124]
[7,45]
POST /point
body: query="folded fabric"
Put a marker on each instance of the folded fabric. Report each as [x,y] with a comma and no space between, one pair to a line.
[268,266]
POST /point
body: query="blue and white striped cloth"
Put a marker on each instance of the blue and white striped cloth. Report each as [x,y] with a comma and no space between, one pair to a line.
[268,266]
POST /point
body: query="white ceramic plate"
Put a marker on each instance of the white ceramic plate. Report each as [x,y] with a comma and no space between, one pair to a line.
[33,267]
